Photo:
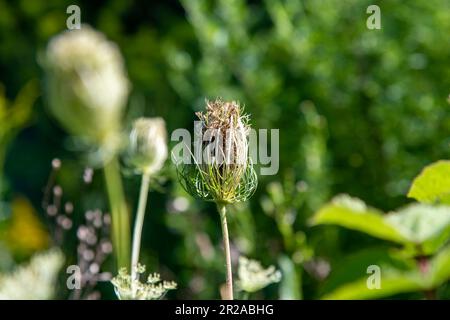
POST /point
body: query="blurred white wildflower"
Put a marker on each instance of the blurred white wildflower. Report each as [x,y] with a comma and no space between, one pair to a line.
[34,281]
[253,277]
[147,145]
[87,85]
[128,289]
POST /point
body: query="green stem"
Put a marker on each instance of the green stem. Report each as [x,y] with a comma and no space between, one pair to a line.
[226,245]
[139,222]
[119,213]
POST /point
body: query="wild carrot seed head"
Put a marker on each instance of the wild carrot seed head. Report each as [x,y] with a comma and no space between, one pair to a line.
[224,173]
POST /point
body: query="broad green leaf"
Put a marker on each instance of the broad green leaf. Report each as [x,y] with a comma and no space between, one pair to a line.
[395,281]
[391,283]
[424,225]
[354,266]
[353,213]
[432,185]
[290,286]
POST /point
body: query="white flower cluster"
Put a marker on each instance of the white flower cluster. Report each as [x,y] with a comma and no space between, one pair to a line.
[133,289]
[253,277]
[34,281]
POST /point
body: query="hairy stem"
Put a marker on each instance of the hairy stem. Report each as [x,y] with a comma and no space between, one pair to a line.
[119,213]
[226,245]
[139,222]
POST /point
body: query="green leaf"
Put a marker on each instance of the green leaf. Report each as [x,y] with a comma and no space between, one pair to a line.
[395,280]
[420,225]
[392,282]
[440,267]
[353,213]
[353,267]
[432,185]
[424,225]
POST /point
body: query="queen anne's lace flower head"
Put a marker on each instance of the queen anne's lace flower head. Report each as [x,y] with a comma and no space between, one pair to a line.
[154,288]
[35,280]
[253,277]
[87,85]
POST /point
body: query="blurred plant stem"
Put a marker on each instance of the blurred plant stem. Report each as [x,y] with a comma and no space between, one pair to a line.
[138,225]
[221,207]
[119,213]
[292,271]
[423,263]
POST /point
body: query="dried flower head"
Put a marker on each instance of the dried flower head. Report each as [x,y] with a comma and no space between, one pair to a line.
[87,85]
[223,172]
[253,277]
[127,288]
[147,145]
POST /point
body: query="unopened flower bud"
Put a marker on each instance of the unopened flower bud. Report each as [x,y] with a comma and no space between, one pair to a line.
[87,85]
[147,145]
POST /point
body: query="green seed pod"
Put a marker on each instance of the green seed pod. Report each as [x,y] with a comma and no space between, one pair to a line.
[147,145]
[87,85]
[223,173]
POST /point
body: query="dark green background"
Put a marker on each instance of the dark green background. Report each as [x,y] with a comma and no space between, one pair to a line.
[359,111]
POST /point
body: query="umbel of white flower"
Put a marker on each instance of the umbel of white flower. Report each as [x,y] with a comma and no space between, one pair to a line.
[87,85]
[147,145]
[35,280]
[253,277]
[133,289]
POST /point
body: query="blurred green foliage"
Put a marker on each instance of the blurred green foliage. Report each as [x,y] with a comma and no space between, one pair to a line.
[13,117]
[359,111]
[422,230]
